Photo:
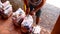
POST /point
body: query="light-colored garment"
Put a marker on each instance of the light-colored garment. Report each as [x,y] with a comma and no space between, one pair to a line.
[1,5]
[28,21]
[19,13]
[7,7]
[36,29]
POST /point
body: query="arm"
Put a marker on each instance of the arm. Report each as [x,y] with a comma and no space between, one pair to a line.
[40,5]
[27,7]
[26,2]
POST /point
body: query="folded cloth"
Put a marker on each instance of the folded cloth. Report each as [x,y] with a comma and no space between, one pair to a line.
[7,9]
[28,21]
[6,5]
[1,5]
[18,16]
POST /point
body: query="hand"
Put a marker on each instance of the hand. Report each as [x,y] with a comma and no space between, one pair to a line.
[32,12]
[27,11]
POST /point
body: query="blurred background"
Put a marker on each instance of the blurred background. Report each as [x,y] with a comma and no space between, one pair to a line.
[54,2]
[50,18]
